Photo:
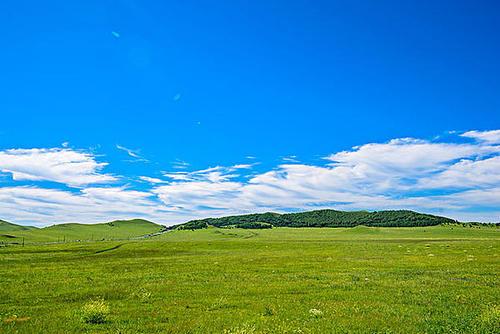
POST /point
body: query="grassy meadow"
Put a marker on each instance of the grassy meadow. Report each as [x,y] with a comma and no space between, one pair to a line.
[441,279]
[119,229]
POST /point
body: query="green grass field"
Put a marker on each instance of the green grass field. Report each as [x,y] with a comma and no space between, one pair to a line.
[120,229]
[441,279]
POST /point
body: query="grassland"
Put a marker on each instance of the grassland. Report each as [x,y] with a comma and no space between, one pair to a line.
[9,227]
[441,279]
[119,229]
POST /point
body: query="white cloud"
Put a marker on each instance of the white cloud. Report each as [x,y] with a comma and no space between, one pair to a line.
[401,174]
[491,137]
[402,156]
[197,195]
[470,199]
[179,176]
[242,166]
[455,179]
[47,206]
[153,180]
[212,174]
[116,194]
[73,168]
[400,163]
[465,174]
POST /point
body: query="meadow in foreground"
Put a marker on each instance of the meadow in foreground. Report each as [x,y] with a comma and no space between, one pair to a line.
[441,279]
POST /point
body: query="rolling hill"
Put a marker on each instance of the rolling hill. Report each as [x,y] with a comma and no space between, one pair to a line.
[322,218]
[119,229]
[9,227]
[124,229]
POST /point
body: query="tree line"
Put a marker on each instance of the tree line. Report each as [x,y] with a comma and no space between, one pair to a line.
[322,218]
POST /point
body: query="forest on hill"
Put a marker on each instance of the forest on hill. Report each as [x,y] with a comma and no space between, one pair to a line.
[322,218]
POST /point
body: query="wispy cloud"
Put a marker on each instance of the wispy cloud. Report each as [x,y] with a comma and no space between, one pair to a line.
[212,174]
[132,153]
[290,158]
[242,166]
[152,180]
[179,164]
[178,176]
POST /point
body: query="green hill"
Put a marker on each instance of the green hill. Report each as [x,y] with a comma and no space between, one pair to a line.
[119,229]
[322,218]
[9,227]
[124,229]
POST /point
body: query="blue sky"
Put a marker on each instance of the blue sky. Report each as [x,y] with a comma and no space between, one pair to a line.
[261,105]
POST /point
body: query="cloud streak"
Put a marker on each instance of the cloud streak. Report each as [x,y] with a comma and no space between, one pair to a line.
[132,153]
[179,164]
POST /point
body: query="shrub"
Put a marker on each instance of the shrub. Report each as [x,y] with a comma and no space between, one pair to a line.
[95,311]
[269,311]
[315,312]
[254,225]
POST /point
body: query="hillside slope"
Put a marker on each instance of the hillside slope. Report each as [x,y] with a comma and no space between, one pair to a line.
[120,229]
[322,218]
[10,227]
